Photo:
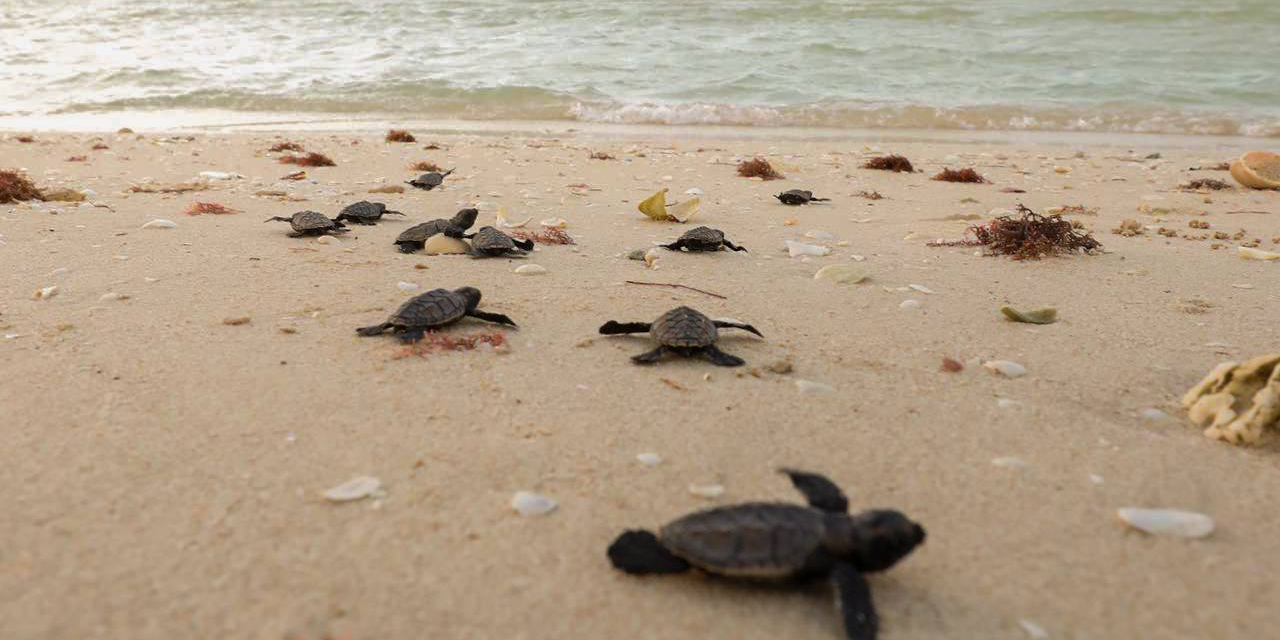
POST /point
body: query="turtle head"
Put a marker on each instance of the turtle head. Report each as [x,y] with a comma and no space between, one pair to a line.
[472,296]
[465,218]
[881,537]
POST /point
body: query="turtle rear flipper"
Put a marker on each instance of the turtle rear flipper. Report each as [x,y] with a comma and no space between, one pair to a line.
[612,328]
[718,357]
[412,334]
[650,357]
[819,199]
[725,324]
[409,247]
[853,603]
[674,246]
[492,317]
[392,213]
[527,245]
[733,246]
[820,492]
[374,330]
[638,552]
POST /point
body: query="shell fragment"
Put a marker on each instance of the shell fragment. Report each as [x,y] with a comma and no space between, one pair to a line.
[1167,522]
[528,503]
[354,489]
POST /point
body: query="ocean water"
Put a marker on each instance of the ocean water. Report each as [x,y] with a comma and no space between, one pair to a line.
[1158,66]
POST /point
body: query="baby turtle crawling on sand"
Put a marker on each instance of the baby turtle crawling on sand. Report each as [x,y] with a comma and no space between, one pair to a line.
[429,181]
[489,242]
[778,541]
[413,238]
[702,239]
[682,331]
[796,197]
[435,308]
[310,223]
[365,212]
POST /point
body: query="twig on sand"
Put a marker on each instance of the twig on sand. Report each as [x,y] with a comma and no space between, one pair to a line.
[1260,212]
[673,384]
[677,286]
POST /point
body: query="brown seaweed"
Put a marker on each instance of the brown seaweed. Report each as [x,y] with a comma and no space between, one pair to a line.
[312,159]
[1031,236]
[425,165]
[758,168]
[894,163]
[960,175]
[400,135]
[16,187]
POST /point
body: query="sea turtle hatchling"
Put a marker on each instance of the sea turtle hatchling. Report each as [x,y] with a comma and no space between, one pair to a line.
[778,541]
[433,309]
[489,242]
[429,181]
[797,197]
[310,223]
[682,331]
[702,239]
[413,238]
[365,212]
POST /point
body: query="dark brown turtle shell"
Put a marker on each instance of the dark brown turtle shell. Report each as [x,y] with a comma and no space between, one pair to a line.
[304,221]
[431,309]
[420,232]
[706,236]
[751,540]
[683,327]
[429,181]
[363,211]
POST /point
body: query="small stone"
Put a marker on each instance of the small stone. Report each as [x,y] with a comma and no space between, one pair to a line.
[354,489]
[160,223]
[532,504]
[441,244]
[1061,169]
[288,330]
[649,459]
[419,266]
[531,270]
[809,387]
[326,240]
[909,304]
[1171,522]
[1005,368]
[238,320]
[708,491]
[407,286]
[841,273]
[636,254]
[45,293]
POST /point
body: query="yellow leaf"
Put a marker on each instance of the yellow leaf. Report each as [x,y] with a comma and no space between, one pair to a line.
[655,206]
[683,211]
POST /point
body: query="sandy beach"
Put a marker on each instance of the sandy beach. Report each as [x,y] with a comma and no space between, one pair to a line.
[165,468]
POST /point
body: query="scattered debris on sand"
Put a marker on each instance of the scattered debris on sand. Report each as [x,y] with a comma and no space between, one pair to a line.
[212,208]
[286,146]
[236,321]
[1237,401]
[400,135]
[951,365]
[17,187]
[311,159]
[1032,236]
[1047,315]
[869,195]
[178,187]
[1204,184]
[436,341]
[599,155]
[894,163]
[758,168]
[960,175]
[387,188]
[425,165]
[549,235]
[1129,228]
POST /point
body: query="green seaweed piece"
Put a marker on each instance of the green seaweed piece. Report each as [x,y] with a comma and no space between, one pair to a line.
[1047,315]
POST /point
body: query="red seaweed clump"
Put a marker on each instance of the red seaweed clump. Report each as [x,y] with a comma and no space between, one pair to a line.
[894,163]
[758,168]
[312,159]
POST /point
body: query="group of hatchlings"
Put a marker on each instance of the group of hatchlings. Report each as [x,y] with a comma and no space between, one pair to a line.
[761,541]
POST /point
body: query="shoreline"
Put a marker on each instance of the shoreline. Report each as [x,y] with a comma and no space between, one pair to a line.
[213,122]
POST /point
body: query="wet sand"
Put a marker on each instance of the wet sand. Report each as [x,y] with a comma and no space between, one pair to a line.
[165,468]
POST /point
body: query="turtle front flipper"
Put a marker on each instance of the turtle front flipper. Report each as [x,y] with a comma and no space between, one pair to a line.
[821,492]
[612,328]
[650,357]
[278,219]
[853,602]
[674,246]
[527,245]
[733,246]
[819,199]
[725,324]
[493,317]
[720,358]
[409,247]
[392,213]
[374,330]
[412,334]
[639,552]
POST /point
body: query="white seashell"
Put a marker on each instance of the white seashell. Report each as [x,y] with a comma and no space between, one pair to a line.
[532,504]
[1096,479]
[649,459]
[857,258]
[693,192]
[1242,286]
[555,223]
[841,273]
[442,244]
[1034,631]
[650,258]
[1154,414]
[531,270]
[407,286]
[1010,462]
[326,240]
[909,304]
[1006,403]
[1006,368]
[921,288]
[220,175]
[504,223]
[819,234]
[811,387]
[802,249]
[1257,254]
[707,491]
[354,489]
[160,223]
[1171,522]
[110,296]
[45,293]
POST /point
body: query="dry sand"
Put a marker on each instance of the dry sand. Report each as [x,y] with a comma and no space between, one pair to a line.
[164,469]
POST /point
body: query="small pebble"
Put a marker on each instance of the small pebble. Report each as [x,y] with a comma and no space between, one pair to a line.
[708,491]
[407,286]
[45,293]
[531,270]
[909,304]
[1172,522]
[1006,368]
[810,387]
[353,489]
[649,459]
[532,504]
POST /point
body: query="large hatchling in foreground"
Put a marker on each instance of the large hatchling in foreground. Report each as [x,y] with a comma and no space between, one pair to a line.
[782,542]
[682,331]
[431,310]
